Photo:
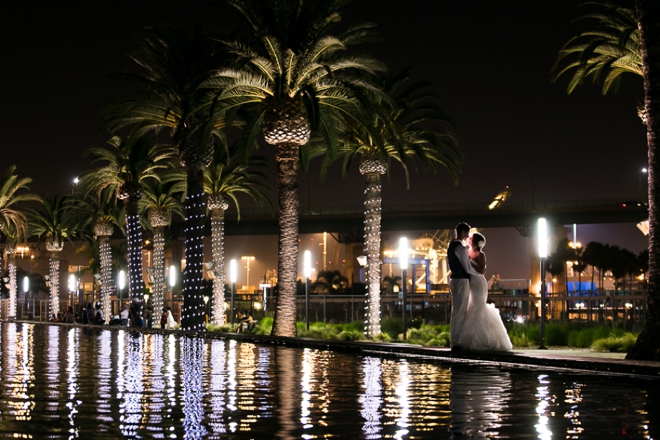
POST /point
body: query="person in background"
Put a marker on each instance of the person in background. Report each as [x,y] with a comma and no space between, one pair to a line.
[88,314]
[136,315]
[99,319]
[123,316]
[148,317]
[69,316]
[167,320]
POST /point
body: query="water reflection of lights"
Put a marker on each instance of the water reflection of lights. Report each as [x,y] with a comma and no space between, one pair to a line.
[131,407]
[371,399]
[544,397]
[218,386]
[305,383]
[573,398]
[104,380]
[171,375]
[404,400]
[72,372]
[192,352]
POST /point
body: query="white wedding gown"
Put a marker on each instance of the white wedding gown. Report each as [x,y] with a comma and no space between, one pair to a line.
[483,328]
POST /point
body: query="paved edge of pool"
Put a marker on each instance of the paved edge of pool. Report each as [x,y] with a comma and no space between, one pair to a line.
[538,358]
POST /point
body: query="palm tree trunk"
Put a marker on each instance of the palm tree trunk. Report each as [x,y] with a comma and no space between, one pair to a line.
[105,260]
[372,219]
[192,313]
[159,274]
[218,251]
[11,267]
[134,238]
[286,155]
[54,274]
[647,346]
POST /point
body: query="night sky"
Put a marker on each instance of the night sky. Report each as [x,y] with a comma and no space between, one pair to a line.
[491,62]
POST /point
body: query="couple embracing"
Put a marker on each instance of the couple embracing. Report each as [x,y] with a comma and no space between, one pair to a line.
[475,325]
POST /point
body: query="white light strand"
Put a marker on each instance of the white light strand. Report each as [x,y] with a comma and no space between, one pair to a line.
[134,238]
[105,257]
[54,272]
[159,275]
[218,251]
[372,221]
[192,311]
[11,314]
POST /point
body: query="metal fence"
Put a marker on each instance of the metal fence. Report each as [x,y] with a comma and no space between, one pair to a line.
[623,307]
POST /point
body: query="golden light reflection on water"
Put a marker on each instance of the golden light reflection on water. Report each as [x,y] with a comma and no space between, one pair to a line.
[72,382]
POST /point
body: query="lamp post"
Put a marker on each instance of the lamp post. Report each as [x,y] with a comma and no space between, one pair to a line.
[542,234]
[232,279]
[72,286]
[171,276]
[121,283]
[26,289]
[206,301]
[403,262]
[307,271]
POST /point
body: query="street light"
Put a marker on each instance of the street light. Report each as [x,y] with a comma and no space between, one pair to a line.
[247,258]
[206,301]
[232,280]
[307,271]
[542,234]
[172,281]
[403,262]
[72,286]
[121,283]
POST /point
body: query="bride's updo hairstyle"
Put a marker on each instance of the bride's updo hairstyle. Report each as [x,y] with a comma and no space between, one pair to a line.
[480,240]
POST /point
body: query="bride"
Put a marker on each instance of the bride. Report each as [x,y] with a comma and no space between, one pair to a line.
[483,328]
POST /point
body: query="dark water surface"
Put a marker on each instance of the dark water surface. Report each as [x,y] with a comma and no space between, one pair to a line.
[72,382]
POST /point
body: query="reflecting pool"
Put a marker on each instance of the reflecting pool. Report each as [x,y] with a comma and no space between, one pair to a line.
[73,382]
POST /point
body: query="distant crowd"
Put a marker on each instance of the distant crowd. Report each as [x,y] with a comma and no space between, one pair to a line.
[132,316]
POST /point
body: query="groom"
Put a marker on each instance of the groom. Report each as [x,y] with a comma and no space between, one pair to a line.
[459,285]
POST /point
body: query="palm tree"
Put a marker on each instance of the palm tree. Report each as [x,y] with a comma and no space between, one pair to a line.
[10,195]
[97,220]
[54,223]
[223,181]
[127,164]
[160,201]
[607,48]
[294,77]
[172,66]
[402,128]
[13,223]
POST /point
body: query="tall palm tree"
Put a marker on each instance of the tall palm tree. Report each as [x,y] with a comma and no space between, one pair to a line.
[171,67]
[160,201]
[127,163]
[54,223]
[403,128]
[12,232]
[636,33]
[294,77]
[223,181]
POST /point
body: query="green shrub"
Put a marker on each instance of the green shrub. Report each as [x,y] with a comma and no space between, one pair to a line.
[392,326]
[350,335]
[382,337]
[264,326]
[440,340]
[613,343]
[226,328]
[519,340]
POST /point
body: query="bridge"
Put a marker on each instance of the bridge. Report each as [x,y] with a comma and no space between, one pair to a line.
[349,219]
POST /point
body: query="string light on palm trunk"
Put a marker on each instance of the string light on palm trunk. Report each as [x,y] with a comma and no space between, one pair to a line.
[54,273]
[105,257]
[192,312]
[135,282]
[372,228]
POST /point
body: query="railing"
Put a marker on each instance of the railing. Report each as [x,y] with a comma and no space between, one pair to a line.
[626,308]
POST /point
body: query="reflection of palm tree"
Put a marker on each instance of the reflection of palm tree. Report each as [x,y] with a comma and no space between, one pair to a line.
[171,68]
[160,201]
[10,231]
[54,223]
[404,136]
[127,164]
[222,182]
[293,78]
